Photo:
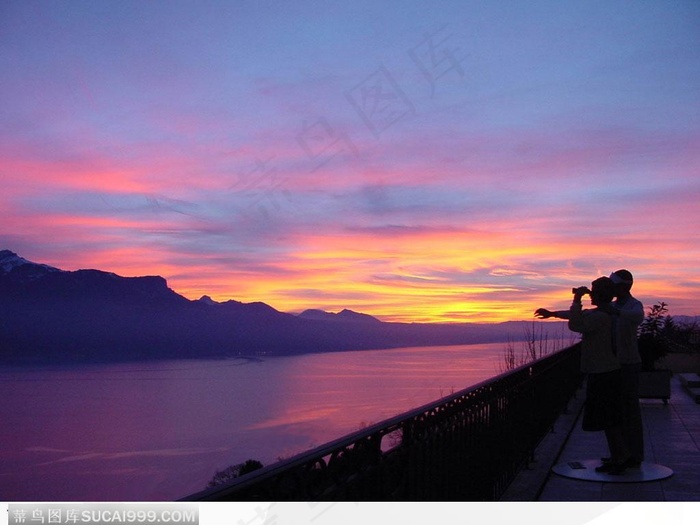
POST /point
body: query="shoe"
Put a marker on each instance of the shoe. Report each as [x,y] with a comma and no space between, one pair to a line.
[633,463]
[606,467]
[616,469]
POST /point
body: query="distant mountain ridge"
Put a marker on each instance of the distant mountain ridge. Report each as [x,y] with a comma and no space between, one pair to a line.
[345,315]
[58,316]
[21,279]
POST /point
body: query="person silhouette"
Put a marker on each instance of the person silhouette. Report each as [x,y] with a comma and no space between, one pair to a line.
[602,409]
[628,314]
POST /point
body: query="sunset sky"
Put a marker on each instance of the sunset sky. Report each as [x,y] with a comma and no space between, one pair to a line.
[432,161]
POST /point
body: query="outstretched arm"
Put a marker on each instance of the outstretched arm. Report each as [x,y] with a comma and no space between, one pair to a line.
[543,313]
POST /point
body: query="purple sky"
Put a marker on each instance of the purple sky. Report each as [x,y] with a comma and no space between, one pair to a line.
[435,161]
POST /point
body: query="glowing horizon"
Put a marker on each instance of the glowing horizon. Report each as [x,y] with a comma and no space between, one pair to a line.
[463,162]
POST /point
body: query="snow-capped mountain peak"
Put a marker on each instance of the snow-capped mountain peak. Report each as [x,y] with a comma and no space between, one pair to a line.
[10,260]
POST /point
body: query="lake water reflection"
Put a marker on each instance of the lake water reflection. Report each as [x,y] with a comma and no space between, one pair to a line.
[159,431]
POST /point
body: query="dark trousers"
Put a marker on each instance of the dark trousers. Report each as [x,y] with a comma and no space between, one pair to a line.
[631,413]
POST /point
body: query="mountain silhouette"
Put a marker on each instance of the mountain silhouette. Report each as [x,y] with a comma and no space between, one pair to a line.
[346,315]
[49,315]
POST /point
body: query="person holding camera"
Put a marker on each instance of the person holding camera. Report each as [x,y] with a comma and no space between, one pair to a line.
[627,313]
[603,405]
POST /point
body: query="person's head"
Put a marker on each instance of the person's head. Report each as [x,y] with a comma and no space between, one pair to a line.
[623,280]
[602,291]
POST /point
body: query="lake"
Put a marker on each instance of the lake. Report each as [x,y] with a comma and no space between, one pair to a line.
[160,430]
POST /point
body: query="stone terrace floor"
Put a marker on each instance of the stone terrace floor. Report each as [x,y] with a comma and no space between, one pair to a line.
[672,439]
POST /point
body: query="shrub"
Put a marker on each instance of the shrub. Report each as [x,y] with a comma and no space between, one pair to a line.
[234,471]
[655,335]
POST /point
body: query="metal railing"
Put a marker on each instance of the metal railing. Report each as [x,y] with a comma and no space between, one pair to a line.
[468,446]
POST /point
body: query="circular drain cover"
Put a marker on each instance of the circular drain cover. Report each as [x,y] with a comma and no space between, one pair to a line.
[585,469]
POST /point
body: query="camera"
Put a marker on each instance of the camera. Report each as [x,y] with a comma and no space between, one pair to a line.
[581,290]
